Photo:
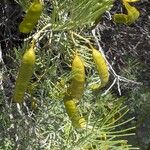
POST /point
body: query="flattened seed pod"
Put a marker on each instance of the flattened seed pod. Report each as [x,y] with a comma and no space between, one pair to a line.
[120,18]
[31,18]
[101,66]
[76,88]
[73,113]
[24,76]
[131,1]
[133,13]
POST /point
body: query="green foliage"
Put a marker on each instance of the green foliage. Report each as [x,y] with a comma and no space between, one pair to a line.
[74,14]
[48,126]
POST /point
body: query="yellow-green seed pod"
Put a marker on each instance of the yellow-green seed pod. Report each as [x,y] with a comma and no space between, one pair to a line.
[131,1]
[101,66]
[76,88]
[133,13]
[131,16]
[73,113]
[25,74]
[120,18]
[31,18]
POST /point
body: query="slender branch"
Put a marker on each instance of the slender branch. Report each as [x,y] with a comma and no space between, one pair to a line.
[110,87]
[38,34]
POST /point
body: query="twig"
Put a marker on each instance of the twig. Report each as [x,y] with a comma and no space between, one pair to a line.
[110,87]
[38,34]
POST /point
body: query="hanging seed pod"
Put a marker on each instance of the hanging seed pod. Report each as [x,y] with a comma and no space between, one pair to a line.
[131,16]
[101,66]
[31,18]
[24,76]
[133,13]
[76,88]
[73,113]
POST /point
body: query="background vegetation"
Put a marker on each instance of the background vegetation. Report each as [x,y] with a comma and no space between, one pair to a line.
[116,122]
